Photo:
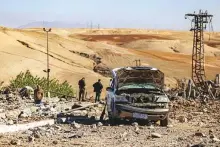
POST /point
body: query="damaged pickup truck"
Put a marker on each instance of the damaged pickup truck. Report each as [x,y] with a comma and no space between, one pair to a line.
[136,93]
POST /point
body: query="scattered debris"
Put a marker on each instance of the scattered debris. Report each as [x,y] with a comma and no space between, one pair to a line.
[135,124]
[182,119]
[200,134]
[76,125]
[55,142]
[156,135]
[15,142]
[99,124]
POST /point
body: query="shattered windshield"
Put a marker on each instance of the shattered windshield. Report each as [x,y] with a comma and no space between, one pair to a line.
[149,86]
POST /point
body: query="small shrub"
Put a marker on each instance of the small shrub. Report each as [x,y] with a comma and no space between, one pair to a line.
[55,87]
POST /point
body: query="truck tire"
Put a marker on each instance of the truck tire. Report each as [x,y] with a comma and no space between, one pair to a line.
[112,120]
[164,122]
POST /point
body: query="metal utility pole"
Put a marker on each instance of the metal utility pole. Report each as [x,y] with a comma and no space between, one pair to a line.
[199,21]
[48,68]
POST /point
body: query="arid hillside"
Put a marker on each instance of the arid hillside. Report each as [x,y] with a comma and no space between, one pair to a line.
[73,52]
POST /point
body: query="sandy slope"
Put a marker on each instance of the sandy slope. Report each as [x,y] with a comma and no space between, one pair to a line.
[168,50]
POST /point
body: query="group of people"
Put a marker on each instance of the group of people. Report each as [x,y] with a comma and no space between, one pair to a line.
[39,93]
[97,89]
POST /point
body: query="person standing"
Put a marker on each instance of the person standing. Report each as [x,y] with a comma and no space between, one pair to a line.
[98,90]
[38,95]
[82,85]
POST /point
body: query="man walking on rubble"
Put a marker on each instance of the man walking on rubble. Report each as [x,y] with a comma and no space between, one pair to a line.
[98,90]
[38,95]
[82,85]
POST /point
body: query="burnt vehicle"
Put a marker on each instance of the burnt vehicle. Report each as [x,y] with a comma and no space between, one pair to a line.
[137,93]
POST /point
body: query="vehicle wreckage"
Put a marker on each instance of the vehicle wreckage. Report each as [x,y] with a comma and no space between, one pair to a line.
[137,93]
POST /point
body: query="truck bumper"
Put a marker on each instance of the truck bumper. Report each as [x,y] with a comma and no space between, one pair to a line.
[126,111]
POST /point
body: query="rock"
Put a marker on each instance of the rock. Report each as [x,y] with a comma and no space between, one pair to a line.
[10,122]
[57,127]
[99,124]
[76,125]
[23,115]
[31,138]
[79,135]
[2,115]
[36,135]
[215,139]
[124,135]
[182,119]
[151,127]
[62,99]
[84,112]
[2,110]
[10,95]
[94,126]
[28,132]
[156,135]
[100,106]
[197,113]
[136,129]
[180,138]
[169,126]
[201,124]
[200,134]
[135,124]
[212,136]
[67,109]
[13,114]
[125,139]
[189,116]
[55,142]
[53,109]
[15,142]
[205,110]
[76,113]
[197,145]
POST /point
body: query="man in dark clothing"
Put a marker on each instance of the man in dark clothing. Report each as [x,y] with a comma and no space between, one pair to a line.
[82,85]
[97,89]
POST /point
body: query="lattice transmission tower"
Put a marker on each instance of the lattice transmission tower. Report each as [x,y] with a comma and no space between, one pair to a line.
[199,23]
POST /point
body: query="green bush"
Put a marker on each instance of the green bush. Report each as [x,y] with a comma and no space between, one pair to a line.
[55,88]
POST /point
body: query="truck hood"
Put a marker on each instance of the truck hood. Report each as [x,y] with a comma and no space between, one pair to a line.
[139,75]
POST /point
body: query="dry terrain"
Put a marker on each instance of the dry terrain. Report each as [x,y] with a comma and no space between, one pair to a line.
[169,51]
[73,54]
[190,123]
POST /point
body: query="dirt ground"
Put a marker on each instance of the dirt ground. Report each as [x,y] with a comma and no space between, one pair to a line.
[190,123]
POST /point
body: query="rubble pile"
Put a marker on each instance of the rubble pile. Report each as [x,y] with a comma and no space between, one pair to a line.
[187,89]
[195,110]
[192,121]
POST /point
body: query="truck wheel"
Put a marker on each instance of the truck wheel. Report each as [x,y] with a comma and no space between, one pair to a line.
[164,122]
[111,120]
